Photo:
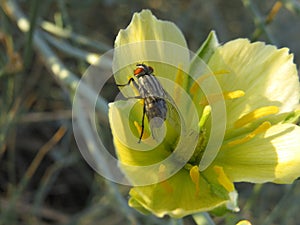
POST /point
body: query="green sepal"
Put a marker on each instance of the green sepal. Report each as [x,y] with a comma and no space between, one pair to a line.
[293,117]
[208,47]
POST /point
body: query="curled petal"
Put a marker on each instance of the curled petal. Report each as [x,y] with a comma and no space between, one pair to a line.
[178,196]
[271,156]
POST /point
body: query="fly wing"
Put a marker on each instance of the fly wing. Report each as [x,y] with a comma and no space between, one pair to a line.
[173,115]
[169,115]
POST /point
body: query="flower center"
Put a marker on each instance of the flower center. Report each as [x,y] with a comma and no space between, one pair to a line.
[203,134]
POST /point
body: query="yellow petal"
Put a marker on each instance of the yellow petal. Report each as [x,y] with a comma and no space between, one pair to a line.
[243,222]
[148,40]
[266,75]
[176,196]
[271,156]
[145,26]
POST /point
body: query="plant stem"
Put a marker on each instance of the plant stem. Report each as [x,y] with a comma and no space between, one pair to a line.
[53,63]
[259,22]
[29,35]
[281,206]
[203,219]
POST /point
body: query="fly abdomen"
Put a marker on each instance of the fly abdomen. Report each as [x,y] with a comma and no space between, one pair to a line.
[155,107]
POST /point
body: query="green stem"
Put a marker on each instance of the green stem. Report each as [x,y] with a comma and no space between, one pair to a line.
[281,206]
[64,14]
[259,22]
[33,15]
[48,180]
[252,202]
[53,63]
[176,221]
[203,218]
[71,50]
[69,34]
[293,6]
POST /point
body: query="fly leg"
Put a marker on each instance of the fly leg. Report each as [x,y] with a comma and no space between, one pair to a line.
[136,97]
[143,122]
[129,81]
[135,85]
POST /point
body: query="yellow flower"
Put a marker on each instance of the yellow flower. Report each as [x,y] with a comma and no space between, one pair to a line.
[229,119]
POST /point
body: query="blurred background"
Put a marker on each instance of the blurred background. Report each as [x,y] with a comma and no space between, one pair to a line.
[43,177]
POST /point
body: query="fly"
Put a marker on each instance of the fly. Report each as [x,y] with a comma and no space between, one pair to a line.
[153,94]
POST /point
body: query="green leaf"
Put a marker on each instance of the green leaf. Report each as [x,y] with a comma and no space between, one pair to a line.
[198,65]
[208,47]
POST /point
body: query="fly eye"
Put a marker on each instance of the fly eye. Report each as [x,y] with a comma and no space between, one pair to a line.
[138,71]
[150,69]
